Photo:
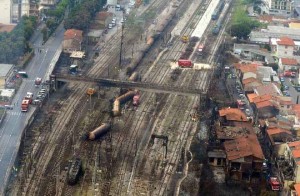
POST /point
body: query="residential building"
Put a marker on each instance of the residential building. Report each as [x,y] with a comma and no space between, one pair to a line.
[250,84]
[73,39]
[275,139]
[48,2]
[288,163]
[268,89]
[230,115]
[6,11]
[216,157]
[277,7]
[284,47]
[6,72]
[286,64]
[244,158]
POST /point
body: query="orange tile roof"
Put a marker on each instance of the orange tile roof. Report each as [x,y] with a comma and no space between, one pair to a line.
[263,104]
[249,80]
[242,147]
[261,98]
[296,153]
[294,144]
[296,107]
[270,89]
[276,130]
[297,188]
[73,34]
[287,61]
[234,114]
[251,97]
[286,41]
[249,68]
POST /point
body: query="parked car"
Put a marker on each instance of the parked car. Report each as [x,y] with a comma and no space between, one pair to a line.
[286,87]
[282,79]
[9,107]
[110,26]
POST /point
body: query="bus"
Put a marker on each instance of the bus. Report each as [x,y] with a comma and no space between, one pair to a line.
[23,74]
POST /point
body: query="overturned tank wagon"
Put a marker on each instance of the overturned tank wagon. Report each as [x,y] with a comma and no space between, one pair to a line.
[116,111]
[98,132]
[134,77]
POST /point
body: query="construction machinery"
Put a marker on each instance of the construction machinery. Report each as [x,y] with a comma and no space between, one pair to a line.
[185,39]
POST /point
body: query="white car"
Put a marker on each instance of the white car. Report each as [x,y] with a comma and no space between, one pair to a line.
[110,26]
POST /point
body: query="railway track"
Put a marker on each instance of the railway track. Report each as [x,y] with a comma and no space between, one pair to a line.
[107,59]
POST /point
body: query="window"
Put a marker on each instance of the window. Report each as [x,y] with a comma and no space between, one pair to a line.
[286,47]
[285,52]
[211,160]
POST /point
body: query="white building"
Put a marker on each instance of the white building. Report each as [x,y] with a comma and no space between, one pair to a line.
[6,11]
[283,47]
[276,7]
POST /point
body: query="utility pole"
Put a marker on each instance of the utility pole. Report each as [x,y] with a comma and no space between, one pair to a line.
[122,36]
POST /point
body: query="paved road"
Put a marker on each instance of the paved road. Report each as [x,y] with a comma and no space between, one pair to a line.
[15,121]
[294,94]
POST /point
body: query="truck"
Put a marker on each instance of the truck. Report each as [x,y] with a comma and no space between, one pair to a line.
[185,63]
[274,183]
[289,74]
[24,105]
[29,97]
[37,82]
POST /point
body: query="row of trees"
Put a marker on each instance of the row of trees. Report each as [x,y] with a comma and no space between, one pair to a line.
[242,24]
[15,44]
[82,14]
[54,17]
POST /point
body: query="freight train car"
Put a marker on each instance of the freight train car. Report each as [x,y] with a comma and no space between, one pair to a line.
[217,11]
[74,171]
[134,77]
[220,21]
[116,111]
[98,132]
[144,48]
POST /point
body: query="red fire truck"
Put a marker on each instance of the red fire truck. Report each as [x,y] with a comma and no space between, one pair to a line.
[185,63]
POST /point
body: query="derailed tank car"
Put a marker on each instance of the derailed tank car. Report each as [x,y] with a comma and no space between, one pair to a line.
[98,132]
[116,111]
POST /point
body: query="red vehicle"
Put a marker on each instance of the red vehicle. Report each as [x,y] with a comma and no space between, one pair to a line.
[274,183]
[185,63]
[289,74]
[29,97]
[136,100]
[24,105]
